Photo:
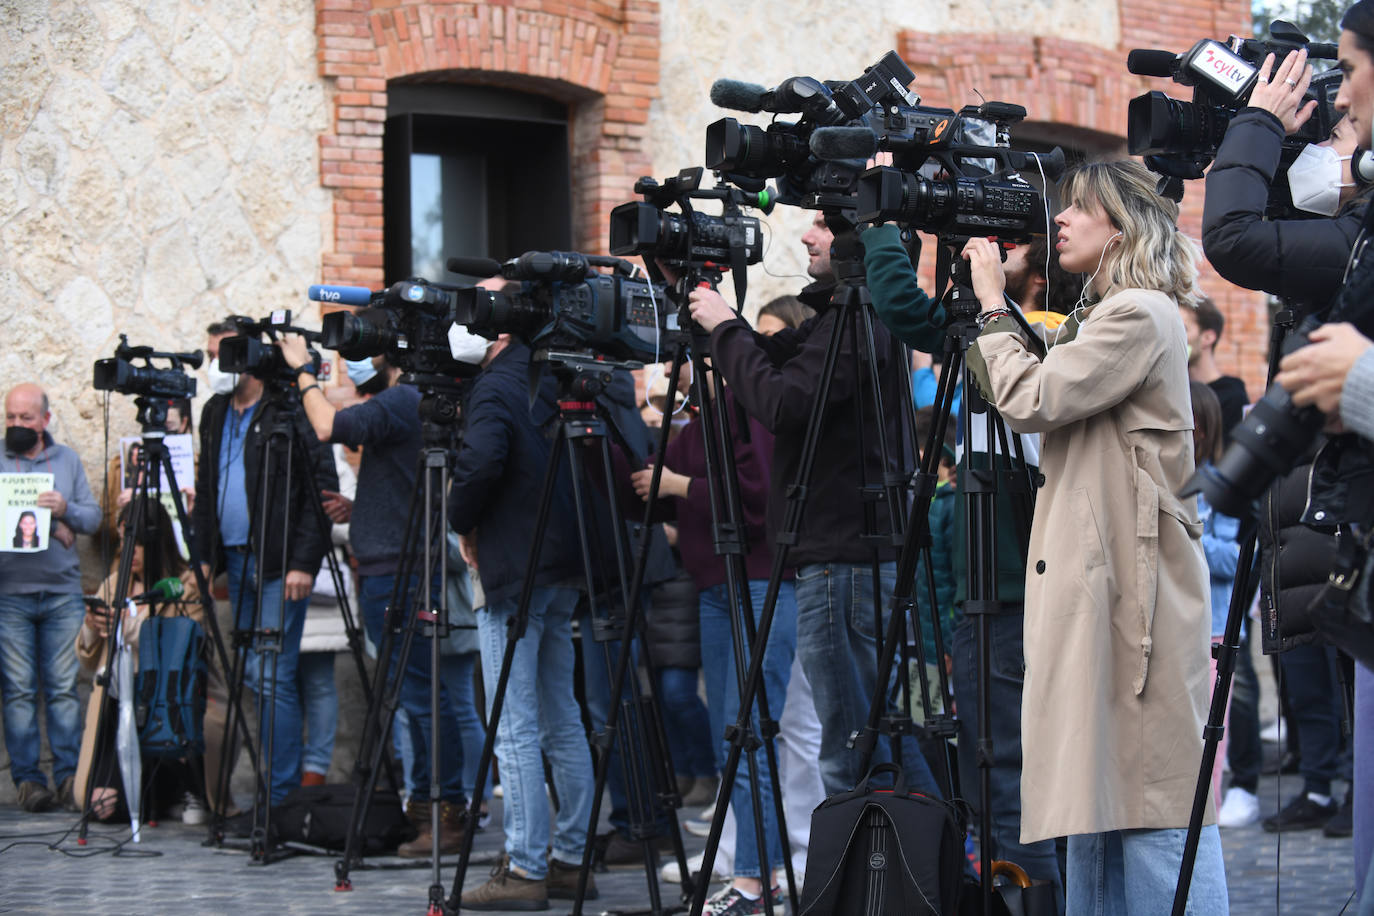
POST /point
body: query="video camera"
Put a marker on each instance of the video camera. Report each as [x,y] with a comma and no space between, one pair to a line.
[246,353]
[120,375]
[1179,139]
[565,303]
[408,323]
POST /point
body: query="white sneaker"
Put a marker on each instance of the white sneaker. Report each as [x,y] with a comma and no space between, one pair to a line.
[1239,809]
[673,875]
[1274,732]
[697,828]
[193,810]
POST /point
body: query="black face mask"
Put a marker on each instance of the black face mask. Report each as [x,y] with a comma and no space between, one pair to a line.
[19,440]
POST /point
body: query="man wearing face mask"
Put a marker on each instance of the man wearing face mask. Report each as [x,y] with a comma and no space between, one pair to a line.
[387,426]
[233,426]
[41,608]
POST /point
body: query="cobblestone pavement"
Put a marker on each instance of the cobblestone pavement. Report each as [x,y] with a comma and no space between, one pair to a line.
[42,870]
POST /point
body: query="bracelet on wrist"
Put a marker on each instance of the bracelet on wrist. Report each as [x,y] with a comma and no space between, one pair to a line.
[311,386]
[990,316]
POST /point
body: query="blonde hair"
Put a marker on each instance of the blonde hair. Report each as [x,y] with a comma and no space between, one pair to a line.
[1152,252]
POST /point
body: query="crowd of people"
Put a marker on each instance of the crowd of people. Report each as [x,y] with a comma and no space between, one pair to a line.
[1111,595]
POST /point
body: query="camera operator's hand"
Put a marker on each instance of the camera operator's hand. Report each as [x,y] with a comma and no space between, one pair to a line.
[293,350]
[1281,95]
[709,309]
[883,157]
[297,585]
[985,265]
[1315,374]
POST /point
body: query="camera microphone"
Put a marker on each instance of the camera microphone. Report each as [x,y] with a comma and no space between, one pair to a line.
[832,143]
[340,295]
[1153,62]
[474,267]
[168,589]
[738,96]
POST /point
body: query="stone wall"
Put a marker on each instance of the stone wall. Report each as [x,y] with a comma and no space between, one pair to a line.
[159,168]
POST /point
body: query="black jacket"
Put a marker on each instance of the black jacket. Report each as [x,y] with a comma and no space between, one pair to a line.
[776,379]
[1301,260]
[1294,562]
[309,539]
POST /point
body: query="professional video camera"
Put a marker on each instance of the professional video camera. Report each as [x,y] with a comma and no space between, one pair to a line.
[120,375]
[1180,139]
[565,303]
[246,353]
[408,323]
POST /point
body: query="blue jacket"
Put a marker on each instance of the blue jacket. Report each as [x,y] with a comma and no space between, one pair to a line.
[1223,554]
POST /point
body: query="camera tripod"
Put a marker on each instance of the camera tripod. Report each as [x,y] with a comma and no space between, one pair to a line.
[282,452]
[979,485]
[154,463]
[853,318]
[410,611]
[581,427]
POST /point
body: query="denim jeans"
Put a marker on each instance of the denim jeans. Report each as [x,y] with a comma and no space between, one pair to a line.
[1006,678]
[686,722]
[374,594]
[455,674]
[285,716]
[539,711]
[1310,678]
[1363,782]
[38,646]
[836,642]
[1134,873]
[319,708]
[722,698]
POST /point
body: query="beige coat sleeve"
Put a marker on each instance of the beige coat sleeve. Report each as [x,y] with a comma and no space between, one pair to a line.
[1110,357]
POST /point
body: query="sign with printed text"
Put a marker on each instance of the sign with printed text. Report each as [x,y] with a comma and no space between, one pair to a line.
[26,526]
[1220,66]
[179,449]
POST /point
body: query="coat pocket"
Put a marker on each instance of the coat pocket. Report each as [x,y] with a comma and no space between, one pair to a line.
[1089,535]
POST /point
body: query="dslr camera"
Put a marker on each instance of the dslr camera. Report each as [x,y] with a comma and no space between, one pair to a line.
[1179,139]
[119,374]
[247,354]
[408,323]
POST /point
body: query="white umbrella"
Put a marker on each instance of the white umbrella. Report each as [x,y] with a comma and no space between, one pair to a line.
[126,735]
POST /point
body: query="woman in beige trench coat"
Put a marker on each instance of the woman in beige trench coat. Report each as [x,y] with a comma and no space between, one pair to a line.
[1117,619]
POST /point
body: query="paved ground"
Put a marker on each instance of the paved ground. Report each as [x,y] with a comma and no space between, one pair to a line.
[42,870]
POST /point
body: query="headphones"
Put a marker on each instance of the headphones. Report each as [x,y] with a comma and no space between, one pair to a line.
[1362,166]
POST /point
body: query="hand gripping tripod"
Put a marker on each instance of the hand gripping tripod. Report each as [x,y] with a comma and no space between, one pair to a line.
[423,612]
[580,427]
[283,452]
[153,463]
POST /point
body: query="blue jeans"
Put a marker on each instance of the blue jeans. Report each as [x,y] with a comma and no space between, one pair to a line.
[722,698]
[38,646]
[285,715]
[1005,681]
[837,646]
[319,708]
[686,721]
[374,594]
[539,711]
[1362,783]
[1134,873]
[455,674]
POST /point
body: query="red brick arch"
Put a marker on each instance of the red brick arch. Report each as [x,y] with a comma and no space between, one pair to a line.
[601,58]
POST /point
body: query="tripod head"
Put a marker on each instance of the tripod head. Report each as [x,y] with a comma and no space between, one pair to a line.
[152,416]
[440,400]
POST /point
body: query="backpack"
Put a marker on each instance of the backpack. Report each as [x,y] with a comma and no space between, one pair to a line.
[318,817]
[169,696]
[883,852]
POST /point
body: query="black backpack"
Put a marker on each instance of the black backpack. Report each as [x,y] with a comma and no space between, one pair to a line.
[318,816]
[883,852]
[169,700]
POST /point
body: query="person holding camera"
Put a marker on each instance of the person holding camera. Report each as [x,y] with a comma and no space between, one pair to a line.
[1304,262]
[227,520]
[775,378]
[387,426]
[1116,627]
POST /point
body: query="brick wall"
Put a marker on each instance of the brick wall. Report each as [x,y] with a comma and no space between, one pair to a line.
[601,58]
[1063,82]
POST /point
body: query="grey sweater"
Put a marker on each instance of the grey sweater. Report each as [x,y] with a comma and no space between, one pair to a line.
[57,569]
[1357,396]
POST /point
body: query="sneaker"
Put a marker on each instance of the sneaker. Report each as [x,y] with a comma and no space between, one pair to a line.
[193,811]
[1341,824]
[1238,809]
[620,850]
[66,795]
[728,901]
[697,828]
[1274,732]
[673,875]
[311,778]
[703,792]
[452,818]
[562,881]
[508,890]
[34,797]
[1302,813]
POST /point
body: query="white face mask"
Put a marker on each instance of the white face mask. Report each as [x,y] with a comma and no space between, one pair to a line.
[1314,179]
[221,382]
[465,346]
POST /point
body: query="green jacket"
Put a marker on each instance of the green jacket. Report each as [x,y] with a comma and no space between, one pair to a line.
[942,513]
[905,308]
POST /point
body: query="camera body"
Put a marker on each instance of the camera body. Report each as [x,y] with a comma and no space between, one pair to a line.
[246,354]
[120,375]
[1179,139]
[565,303]
[408,323]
